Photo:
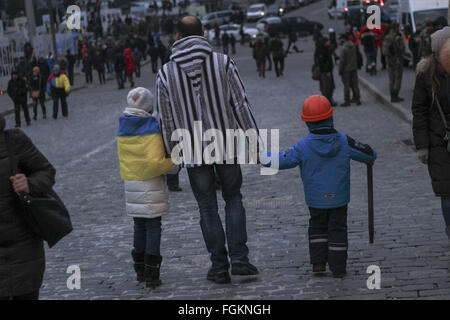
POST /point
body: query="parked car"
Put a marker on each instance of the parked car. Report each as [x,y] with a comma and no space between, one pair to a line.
[256,12]
[300,24]
[217,18]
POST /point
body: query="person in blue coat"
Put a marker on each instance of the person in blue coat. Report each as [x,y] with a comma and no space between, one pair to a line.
[324,159]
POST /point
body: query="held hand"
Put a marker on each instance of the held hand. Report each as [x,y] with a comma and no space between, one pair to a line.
[20,183]
[423,155]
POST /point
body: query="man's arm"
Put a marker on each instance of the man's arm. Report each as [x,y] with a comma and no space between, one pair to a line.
[164,110]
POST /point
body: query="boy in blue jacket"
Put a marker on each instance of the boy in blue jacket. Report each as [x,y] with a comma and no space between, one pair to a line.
[324,160]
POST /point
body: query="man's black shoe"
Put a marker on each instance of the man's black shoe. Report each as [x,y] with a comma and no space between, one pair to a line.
[218,277]
[243,269]
[345,104]
[400,99]
[319,268]
[358,103]
[177,189]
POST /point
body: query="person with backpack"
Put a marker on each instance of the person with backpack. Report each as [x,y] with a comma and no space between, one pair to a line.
[323,157]
[393,49]
[431,117]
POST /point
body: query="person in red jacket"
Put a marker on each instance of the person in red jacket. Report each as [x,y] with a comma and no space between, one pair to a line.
[129,66]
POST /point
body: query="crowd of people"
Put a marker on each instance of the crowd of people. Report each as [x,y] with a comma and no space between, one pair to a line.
[388,41]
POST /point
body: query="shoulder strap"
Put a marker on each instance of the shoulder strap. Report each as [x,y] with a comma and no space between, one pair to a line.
[12,159]
[438,104]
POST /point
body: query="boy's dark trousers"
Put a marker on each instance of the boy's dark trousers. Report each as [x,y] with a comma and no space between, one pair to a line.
[328,237]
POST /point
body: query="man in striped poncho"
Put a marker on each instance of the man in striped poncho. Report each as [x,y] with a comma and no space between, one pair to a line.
[199,90]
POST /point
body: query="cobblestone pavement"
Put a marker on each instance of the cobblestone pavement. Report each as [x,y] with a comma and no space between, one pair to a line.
[410,245]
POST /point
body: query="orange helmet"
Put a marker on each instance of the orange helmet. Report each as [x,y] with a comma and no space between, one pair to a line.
[316,108]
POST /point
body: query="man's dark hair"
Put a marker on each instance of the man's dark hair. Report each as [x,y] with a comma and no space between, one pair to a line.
[189,26]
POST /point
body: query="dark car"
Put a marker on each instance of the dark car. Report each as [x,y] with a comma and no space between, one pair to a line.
[271,25]
[300,24]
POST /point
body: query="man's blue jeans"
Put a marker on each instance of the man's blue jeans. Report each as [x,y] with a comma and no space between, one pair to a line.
[203,183]
[446,210]
[147,235]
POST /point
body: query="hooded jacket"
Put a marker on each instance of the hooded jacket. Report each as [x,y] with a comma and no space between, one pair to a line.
[142,165]
[348,58]
[428,127]
[199,85]
[324,159]
[58,85]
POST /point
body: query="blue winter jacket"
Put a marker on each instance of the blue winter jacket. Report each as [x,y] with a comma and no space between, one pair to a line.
[324,159]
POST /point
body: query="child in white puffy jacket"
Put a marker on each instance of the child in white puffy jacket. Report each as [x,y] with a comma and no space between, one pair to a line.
[143,163]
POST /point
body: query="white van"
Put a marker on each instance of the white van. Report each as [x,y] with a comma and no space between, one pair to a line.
[414,12]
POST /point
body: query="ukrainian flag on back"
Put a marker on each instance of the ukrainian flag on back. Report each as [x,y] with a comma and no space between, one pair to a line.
[141,149]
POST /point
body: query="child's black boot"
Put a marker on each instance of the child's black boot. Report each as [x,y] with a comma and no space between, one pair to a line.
[138,259]
[151,272]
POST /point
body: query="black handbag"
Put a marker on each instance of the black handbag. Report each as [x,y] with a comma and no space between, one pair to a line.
[46,215]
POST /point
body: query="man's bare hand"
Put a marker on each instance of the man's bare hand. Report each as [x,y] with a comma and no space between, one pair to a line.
[20,183]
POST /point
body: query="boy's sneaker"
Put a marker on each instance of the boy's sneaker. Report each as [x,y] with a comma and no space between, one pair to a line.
[243,269]
[319,268]
[340,274]
[218,277]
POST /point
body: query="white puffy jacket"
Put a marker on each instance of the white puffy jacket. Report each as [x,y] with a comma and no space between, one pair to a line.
[147,199]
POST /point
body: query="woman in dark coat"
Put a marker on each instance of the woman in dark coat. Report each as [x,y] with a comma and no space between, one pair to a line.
[22,259]
[433,76]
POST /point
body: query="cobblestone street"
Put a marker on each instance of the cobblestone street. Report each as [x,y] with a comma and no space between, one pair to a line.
[410,246]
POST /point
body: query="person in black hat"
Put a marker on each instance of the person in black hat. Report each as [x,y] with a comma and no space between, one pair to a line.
[17,91]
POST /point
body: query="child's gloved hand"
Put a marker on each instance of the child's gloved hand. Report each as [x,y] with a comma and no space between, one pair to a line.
[423,155]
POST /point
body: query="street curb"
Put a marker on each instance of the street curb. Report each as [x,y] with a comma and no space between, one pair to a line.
[48,98]
[401,112]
